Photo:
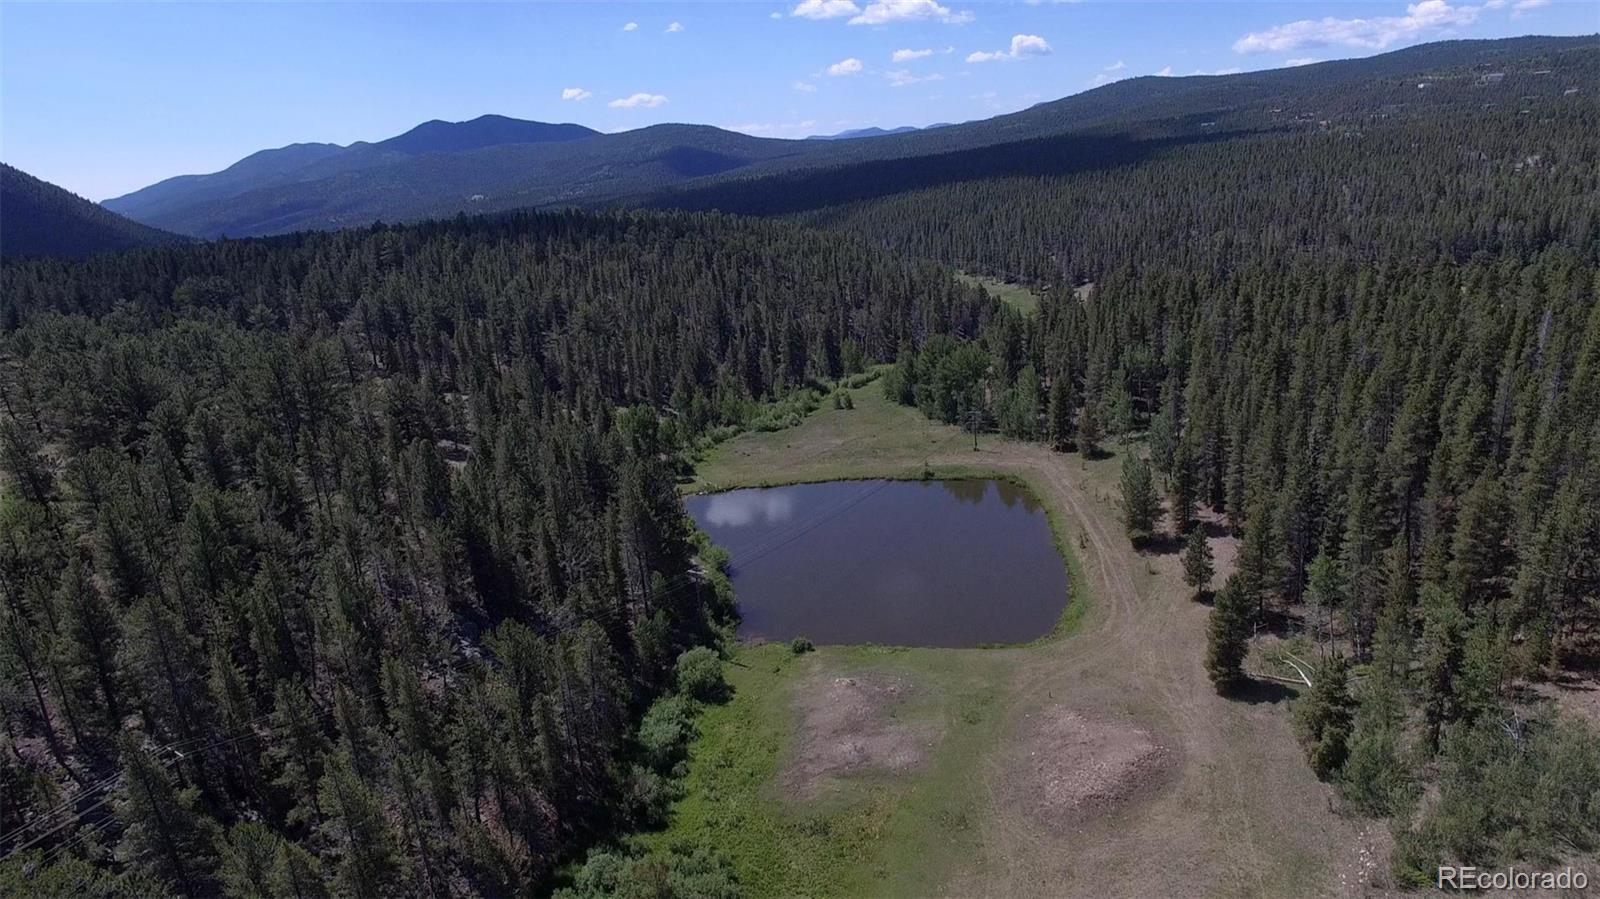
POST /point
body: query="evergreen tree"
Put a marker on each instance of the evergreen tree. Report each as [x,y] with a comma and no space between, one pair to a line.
[1089,430]
[1323,718]
[359,831]
[1197,567]
[162,830]
[1060,412]
[1140,504]
[1324,594]
[1183,489]
[1228,637]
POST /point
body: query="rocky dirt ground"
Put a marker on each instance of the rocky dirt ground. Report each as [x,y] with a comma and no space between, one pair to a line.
[851,725]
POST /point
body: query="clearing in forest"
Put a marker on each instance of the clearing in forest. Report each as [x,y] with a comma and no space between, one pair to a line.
[1017,296]
[1139,780]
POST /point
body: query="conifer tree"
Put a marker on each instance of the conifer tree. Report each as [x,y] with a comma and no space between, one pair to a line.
[1089,430]
[1060,412]
[1228,637]
[1140,504]
[1197,567]
[1324,594]
[163,832]
[358,828]
[1323,717]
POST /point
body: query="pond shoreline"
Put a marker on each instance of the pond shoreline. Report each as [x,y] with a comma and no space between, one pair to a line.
[974,563]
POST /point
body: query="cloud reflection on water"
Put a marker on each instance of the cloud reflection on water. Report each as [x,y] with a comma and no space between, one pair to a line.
[745,507]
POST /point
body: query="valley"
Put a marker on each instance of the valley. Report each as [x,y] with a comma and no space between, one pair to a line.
[1185,486]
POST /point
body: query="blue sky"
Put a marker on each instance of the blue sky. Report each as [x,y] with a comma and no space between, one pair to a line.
[104,98]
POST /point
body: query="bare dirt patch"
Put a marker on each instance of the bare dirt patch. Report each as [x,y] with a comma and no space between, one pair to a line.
[851,724]
[1575,693]
[1070,765]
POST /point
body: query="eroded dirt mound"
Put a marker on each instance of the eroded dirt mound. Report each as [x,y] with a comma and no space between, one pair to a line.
[850,725]
[1071,765]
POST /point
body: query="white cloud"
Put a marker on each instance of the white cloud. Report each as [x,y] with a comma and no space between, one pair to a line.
[675,27]
[1421,19]
[575,93]
[908,55]
[631,26]
[1522,6]
[903,78]
[1301,61]
[882,12]
[776,129]
[776,15]
[825,9]
[640,99]
[1117,66]
[1166,72]
[1022,46]
[851,66]
[1231,70]
[805,87]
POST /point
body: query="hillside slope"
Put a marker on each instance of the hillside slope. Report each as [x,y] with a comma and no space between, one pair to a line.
[250,195]
[510,164]
[1439,86]
[38,218]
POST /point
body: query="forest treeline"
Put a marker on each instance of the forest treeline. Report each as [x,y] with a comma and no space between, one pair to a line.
[1373,354]
[353,562]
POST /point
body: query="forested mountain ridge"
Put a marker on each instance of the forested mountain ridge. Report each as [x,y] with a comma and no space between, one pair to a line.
[38,218]
[309,162]
[352,189]
[351,561]
[1437,88]
[417,176]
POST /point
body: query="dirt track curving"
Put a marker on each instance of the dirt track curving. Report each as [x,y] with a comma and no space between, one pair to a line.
[1237,813]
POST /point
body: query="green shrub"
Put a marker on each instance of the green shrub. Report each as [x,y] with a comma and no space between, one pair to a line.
[677,874]
[801,646]
[665,732]
[699,672]
[650,796]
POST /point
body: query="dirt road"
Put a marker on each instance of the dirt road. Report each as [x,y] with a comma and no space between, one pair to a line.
[1235,810]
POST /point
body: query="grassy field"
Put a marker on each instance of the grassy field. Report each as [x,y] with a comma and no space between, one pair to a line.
[1015,295]
[866,834]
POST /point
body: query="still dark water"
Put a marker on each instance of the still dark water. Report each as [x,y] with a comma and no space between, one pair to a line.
[913,563]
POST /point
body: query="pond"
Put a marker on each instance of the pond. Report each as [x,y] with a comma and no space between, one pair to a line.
[910,563]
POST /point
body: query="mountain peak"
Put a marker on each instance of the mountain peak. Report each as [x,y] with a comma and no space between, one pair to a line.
[438,136]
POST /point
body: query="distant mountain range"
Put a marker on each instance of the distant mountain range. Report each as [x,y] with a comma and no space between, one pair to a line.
[874,132]
[38,218]
[495,163]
